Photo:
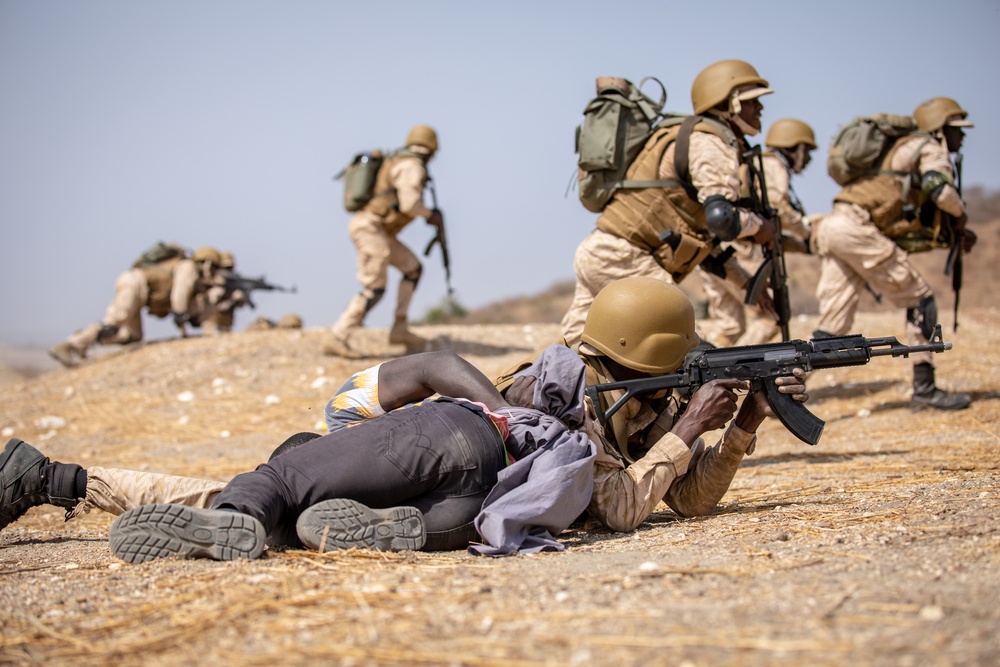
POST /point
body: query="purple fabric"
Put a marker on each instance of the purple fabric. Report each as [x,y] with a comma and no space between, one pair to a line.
[540,495]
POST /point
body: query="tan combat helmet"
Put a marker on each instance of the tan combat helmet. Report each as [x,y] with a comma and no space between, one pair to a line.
[789,133]
[290,321]
[207,254]
[715,84]
[226,260]
[642,323]
[937,112]
[423,135]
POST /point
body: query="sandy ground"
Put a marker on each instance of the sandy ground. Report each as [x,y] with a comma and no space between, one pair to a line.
[879,546]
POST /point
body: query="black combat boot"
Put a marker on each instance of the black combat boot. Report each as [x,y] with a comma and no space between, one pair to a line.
[28,479]
[926,393]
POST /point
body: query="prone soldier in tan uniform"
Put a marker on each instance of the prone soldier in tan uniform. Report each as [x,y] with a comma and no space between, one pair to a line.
[790,143]
[398,199]
[665,233]
[169,287]
[650,451]
[858,240]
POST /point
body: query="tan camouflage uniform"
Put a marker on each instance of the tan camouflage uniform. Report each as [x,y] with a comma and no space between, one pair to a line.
[603,258]
[733,322]
[115,490]
[374,237]
[854,251]
[691,481]
[169,287]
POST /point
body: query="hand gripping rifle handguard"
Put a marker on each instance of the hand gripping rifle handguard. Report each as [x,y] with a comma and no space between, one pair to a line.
[761,365]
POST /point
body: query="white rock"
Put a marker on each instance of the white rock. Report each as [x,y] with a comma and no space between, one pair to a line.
[185,397]
[271,399]
[50,421]
[7,431]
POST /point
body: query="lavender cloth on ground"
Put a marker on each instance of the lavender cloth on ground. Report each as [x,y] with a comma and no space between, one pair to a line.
[540,495]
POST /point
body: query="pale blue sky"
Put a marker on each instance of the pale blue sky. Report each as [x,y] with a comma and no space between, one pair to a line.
[221,122]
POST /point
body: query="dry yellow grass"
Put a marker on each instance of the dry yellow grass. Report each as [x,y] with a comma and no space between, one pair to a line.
[879,546]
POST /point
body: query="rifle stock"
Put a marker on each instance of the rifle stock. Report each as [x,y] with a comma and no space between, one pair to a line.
[761,365]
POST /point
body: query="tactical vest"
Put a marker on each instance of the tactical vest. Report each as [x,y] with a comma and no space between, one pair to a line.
[644,217]
[384,203]
[160,279]
[884,195]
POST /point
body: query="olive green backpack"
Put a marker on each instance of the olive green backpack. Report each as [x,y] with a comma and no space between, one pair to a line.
[616,125]
[359,179]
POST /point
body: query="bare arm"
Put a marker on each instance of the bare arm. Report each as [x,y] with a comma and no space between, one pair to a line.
[415,377]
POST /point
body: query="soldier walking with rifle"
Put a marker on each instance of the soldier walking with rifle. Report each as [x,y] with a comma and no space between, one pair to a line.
[396,200]
[907,203]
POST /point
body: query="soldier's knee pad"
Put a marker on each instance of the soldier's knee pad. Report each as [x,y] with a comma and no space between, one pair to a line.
[373,297]
[924,315]
[414,276]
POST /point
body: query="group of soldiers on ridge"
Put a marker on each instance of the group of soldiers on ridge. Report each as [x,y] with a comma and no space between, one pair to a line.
[200,289]
[439,435]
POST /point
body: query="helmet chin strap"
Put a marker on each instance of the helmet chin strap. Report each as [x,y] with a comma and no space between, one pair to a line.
[733,116]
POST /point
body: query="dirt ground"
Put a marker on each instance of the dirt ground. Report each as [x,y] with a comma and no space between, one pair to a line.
[879,546]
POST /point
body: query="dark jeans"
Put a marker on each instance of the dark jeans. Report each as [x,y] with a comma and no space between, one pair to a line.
[440,457]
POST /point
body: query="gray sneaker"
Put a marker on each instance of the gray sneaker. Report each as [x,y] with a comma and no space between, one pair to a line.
[157,531]
[343,524]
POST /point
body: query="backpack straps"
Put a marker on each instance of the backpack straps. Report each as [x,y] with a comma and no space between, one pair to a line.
[682,148]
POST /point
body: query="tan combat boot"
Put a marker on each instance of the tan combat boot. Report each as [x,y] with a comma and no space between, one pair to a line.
[400,334]
[64,354]
[337,346]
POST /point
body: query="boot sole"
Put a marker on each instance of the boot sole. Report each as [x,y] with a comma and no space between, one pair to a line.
[156,531]
[345,524]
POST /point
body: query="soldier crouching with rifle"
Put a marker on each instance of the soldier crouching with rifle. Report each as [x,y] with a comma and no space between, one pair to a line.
[226,292]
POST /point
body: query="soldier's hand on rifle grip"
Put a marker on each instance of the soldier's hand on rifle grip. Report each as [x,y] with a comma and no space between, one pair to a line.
[764,235]
[711,407]
[436,218]
[968,238]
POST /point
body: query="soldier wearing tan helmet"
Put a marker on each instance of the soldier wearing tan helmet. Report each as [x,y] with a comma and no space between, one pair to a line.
[216,304]
[863,238]
[666,233]
[398,200]
[647,453]
[790,143]
[168,287]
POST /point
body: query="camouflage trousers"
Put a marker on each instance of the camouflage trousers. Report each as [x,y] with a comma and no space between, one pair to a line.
[115,491]
[732,321]
[377,251]
[853,252]
[124,311]
[601,259]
